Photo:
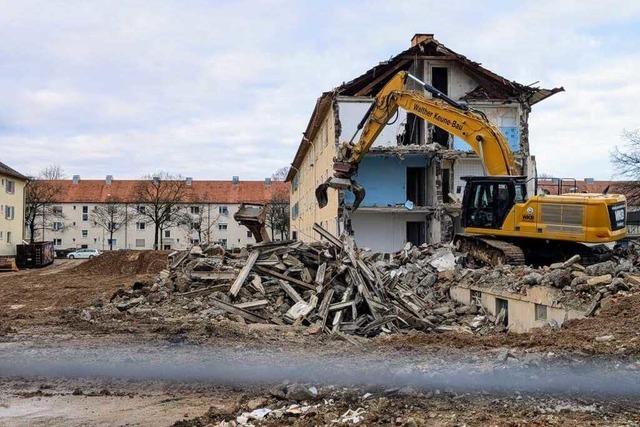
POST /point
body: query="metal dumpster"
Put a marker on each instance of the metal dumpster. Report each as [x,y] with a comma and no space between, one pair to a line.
[35,255]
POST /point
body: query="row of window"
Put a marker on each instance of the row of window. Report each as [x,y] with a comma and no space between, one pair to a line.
[58,226]
[139,243]
[9,238]
[195,210]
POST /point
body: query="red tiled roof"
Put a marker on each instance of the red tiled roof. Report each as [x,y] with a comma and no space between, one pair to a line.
[96,191]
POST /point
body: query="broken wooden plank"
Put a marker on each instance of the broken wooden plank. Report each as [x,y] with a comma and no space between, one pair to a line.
[213,275]
[257,284]
[323,310]
[239,311]
[301,309]
[244,273]
[320,274]
[252,304]
[340,305]
[279,275]
[330,237]
[338,316]
[290,291]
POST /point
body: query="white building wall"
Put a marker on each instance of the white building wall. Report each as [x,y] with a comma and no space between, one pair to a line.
[465,167]
[131,237]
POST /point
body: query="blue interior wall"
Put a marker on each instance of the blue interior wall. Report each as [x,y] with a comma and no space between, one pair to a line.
[511,133]
[385,179]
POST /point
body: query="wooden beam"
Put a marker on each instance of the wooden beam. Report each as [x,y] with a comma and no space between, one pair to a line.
[244,273]
[239,311]
[292,280]
[330,237]
[252,304]
[323,310]
[392,70]
[290,291]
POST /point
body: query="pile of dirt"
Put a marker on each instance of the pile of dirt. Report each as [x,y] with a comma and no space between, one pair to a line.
[125,262]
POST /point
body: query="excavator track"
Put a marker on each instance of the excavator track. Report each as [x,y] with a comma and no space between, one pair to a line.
[489,251]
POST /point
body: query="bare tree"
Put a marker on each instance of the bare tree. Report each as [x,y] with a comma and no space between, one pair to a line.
[42,192]
[277,219]
[280,174]
[199,220]
[161,197]
[111,216]
[627,162]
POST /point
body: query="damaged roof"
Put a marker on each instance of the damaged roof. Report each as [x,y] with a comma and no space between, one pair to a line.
[491,86]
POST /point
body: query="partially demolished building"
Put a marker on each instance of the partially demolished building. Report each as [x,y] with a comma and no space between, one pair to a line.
[413,172]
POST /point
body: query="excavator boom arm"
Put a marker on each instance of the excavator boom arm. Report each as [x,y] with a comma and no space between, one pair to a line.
[471,126]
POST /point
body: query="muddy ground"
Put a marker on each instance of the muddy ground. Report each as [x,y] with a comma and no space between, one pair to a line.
[41,317]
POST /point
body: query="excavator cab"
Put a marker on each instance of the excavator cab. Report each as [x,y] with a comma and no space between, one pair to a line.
[488,199]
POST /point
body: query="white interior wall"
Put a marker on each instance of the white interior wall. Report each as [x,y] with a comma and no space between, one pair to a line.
[351,112]
[382,232]
[465,167]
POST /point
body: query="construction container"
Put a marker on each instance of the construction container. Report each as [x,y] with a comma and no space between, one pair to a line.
[35,255]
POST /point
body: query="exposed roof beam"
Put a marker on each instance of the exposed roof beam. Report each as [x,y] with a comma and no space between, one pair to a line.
[365,90]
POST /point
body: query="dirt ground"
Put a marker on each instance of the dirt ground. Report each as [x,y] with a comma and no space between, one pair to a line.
[40,307]
[41,297]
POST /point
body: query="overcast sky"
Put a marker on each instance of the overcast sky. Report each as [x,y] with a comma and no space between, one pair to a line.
[213,89]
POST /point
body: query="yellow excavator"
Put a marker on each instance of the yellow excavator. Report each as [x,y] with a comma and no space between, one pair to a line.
[502,223]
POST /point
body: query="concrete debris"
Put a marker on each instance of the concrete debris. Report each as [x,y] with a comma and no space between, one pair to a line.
[333,287]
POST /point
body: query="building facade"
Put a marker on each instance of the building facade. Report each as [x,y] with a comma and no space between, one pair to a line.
[412,174]
[12,202]
[207,206]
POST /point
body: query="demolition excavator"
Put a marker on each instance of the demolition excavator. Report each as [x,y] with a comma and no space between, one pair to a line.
[502,223]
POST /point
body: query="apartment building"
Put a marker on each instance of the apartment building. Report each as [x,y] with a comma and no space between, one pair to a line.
[413,173]
[209,206]
[12,199]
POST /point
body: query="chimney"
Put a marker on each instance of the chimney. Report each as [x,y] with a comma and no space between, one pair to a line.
[189,181]
[235,179]
[267,181]
[420,37]
[76,179]
[109,179]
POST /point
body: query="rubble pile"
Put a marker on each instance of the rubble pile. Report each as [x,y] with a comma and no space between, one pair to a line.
[328,286]
[579,285]
[332,287]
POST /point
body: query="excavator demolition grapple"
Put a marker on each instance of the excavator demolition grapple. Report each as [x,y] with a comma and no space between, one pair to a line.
[502,223]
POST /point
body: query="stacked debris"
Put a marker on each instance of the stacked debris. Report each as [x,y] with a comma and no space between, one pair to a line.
[332,287]
[329,286]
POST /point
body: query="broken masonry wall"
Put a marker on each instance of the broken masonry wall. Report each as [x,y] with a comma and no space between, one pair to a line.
[521,311]
[316,167]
